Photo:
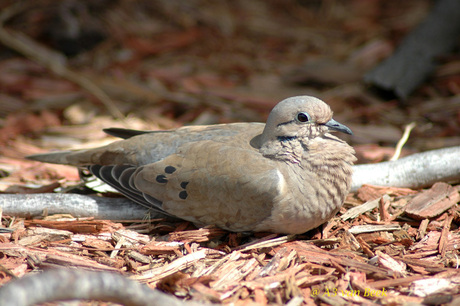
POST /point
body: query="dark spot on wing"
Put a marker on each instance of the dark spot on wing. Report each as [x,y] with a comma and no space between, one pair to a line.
[184,184]
[170,169]
[161,179]
[183,195]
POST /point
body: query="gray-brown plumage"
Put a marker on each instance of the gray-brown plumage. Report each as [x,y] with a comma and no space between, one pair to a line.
[287,176]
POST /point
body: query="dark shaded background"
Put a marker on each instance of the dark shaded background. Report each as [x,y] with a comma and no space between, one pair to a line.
[164,64]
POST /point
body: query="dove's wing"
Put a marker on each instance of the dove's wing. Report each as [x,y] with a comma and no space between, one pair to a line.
[206,155]
[209,182]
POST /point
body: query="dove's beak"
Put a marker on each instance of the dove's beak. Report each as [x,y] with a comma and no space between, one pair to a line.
[335,126]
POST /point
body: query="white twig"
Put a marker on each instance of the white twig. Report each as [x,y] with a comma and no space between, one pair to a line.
[414,171]
[403,140]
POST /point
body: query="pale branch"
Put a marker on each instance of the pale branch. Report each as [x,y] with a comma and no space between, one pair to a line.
[414,171]
[67,284]
[80,206]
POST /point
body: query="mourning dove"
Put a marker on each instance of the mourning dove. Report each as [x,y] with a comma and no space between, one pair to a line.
[286,176]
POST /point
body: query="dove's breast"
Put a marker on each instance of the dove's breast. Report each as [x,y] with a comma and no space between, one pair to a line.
[315,189]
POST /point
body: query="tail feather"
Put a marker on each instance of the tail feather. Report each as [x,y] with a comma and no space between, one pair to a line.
[124,133]
[52,157]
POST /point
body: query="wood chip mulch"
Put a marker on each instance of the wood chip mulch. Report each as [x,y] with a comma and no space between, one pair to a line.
[382,248]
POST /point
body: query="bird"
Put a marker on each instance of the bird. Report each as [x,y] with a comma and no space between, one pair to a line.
[287,176]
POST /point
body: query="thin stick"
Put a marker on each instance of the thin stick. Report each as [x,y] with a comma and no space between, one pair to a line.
[403,140]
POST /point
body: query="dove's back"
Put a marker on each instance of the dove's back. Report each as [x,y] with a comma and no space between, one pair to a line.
[142,147]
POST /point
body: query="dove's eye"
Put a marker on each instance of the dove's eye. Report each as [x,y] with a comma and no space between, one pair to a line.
[303,117]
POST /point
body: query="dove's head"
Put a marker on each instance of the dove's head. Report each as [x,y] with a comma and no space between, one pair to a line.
[300,117]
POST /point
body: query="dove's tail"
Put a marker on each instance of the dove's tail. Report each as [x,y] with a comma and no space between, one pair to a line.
[121,152]
[53,157]
[93,156]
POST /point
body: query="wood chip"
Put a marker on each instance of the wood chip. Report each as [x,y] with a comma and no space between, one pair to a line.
[371,192]
[395,282]
[199,235]
[425,287]
[386,261]
[169,269]
[359,229]
[368,206]
[432,202]
[422,228]
[77,226]
[444,234]
[161,247]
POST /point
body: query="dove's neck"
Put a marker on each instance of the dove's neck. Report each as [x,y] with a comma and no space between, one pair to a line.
[278,143]
[288,149]
[327,150]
